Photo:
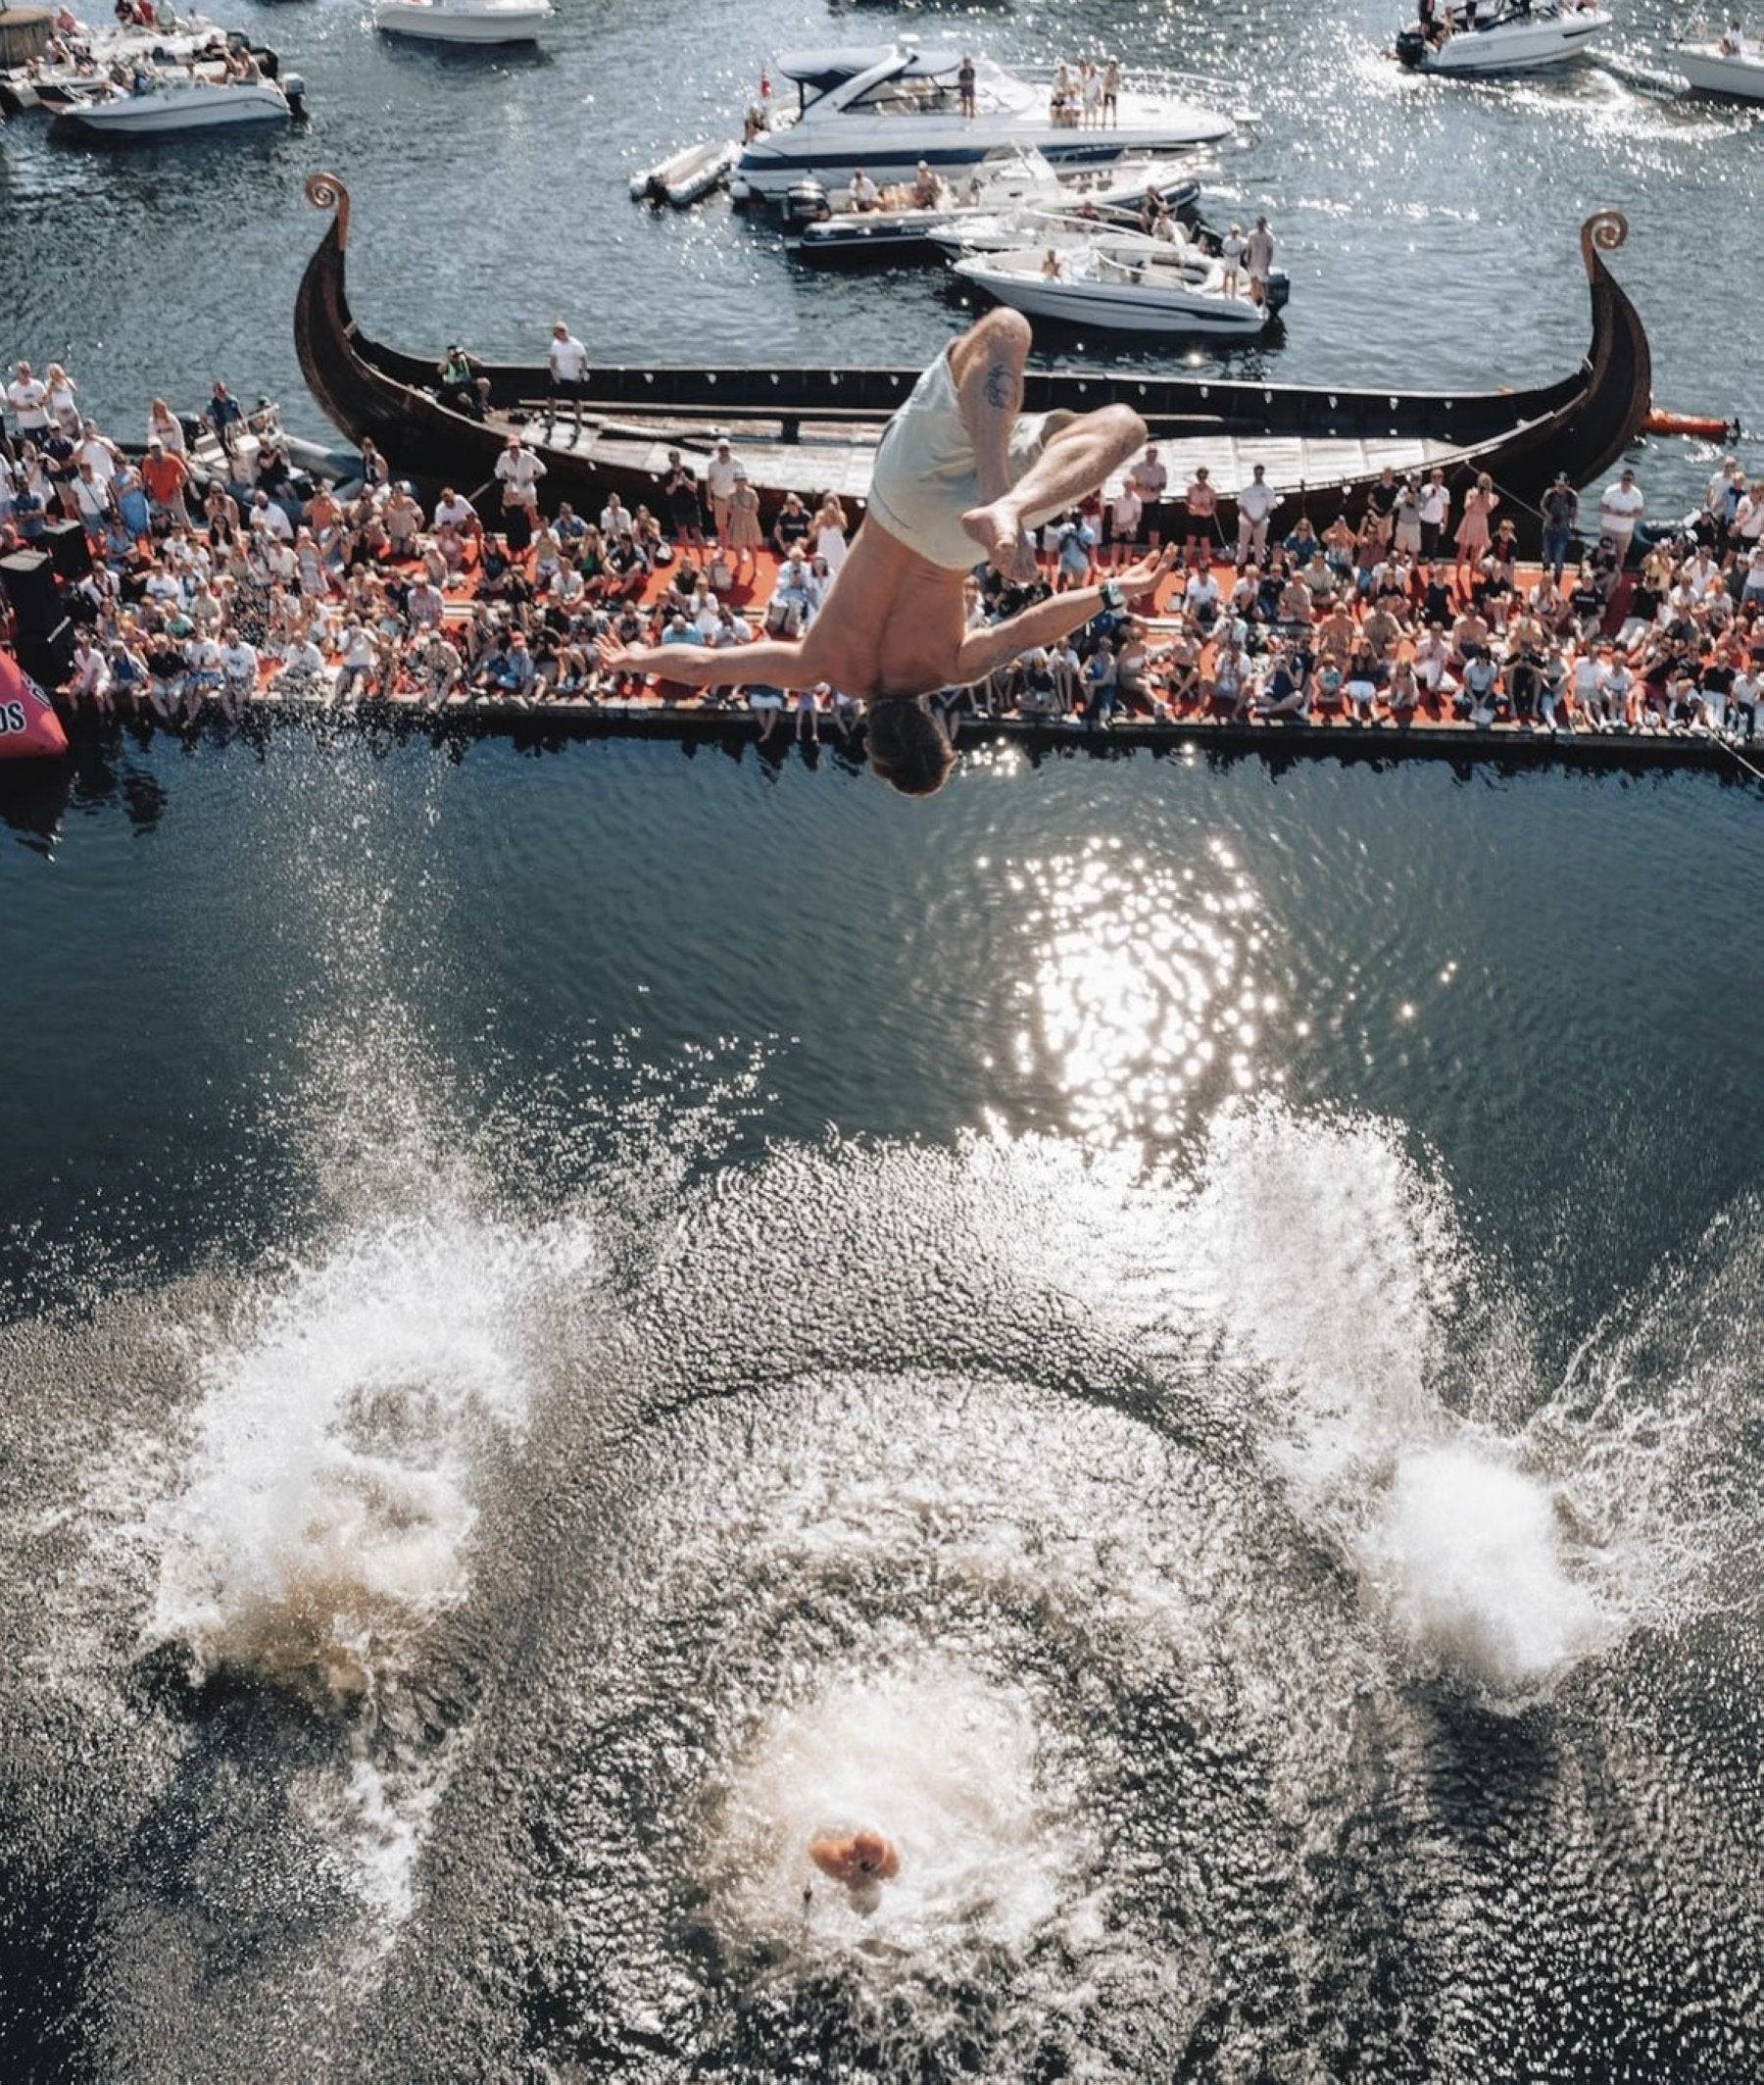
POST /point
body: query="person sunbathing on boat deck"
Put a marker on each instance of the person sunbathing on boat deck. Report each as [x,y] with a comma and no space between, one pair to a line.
[927,189]
[960,479]
[863,192]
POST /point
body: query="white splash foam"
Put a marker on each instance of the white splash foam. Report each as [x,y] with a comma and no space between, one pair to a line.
[329,1505]
[948,1767]
[1337,1270]
[1329,1261]
[1470,1562]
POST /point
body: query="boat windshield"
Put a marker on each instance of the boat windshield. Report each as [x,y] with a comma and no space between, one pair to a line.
[930,90]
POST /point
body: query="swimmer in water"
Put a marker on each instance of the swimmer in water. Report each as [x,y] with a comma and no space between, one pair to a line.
[858,1859]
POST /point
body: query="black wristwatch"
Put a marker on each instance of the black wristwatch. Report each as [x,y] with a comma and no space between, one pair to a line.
[1112,596]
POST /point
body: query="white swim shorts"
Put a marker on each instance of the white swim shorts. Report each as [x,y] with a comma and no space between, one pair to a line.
[924,480]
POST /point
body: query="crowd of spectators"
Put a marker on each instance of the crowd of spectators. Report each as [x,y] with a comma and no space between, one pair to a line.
[208,585]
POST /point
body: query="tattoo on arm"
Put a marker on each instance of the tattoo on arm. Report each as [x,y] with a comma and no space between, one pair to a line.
[1001,387]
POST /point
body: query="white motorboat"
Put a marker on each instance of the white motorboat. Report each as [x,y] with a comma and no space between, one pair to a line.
[464,20]
[886,108]
[1006,230]
[77,64]
[1120,283]
[157,107]
[1501,36]
[1733,65]
[688,175]
[834,231]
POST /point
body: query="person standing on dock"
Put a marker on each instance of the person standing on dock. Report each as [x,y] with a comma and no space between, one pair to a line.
[679,489]
[1259,259]
[28,398]
[567,361]
[1254,504]
[1561,514]
[518,471]
[1152,481]
[720,475]
[1620,510]
[960,477]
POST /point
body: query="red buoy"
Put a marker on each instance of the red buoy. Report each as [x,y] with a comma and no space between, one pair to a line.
[29,729]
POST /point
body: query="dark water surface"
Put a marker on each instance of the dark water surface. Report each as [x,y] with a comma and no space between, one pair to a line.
[1179,1336]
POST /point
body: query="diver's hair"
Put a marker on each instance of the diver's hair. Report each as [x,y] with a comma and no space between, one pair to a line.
[906,746]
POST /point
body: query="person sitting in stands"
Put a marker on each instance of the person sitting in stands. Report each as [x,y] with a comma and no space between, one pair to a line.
[1337,631]
[1365,677]
[1288,690]
[1200,597]
[626,569]
[1182,659]
[1432,660]
[454,511]
[790,532]
[459,377]
[1303,543]
[227,417]
[1403,694]
[1292,607]
[1133,666]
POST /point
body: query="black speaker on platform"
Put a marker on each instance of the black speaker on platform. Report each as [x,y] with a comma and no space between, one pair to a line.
[29,577]
[49,660]
[66,543]
[45,635]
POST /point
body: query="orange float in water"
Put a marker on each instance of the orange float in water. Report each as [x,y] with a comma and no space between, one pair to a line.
[29,729]
[1660,421]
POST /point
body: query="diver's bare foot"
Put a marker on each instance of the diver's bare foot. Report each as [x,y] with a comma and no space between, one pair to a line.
[999,531]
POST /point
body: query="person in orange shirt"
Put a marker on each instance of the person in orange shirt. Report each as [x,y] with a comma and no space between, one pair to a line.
[165,474]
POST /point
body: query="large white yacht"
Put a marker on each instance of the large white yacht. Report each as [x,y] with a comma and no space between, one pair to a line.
[886,108]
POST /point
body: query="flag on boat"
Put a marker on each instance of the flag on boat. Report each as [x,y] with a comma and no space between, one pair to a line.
[28,725]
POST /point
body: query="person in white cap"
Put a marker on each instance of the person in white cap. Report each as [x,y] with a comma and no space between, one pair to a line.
[518,471]
[720,473]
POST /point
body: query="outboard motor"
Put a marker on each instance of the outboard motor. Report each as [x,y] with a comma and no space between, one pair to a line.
[1279,286]
[294,87]
[1411,46]
[806,202]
